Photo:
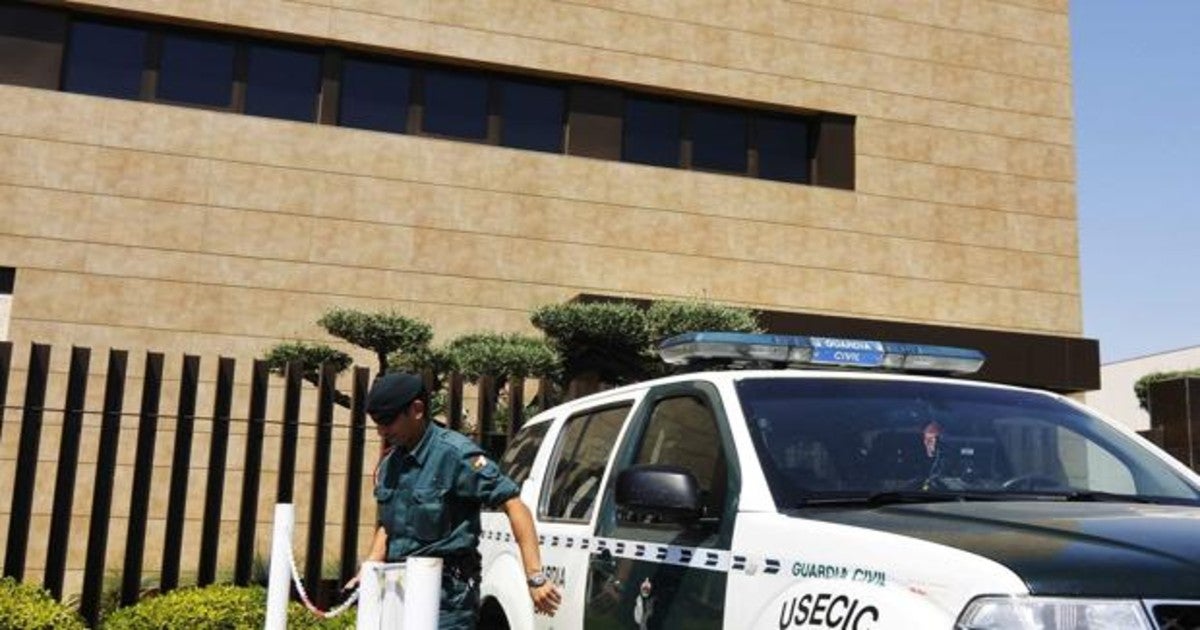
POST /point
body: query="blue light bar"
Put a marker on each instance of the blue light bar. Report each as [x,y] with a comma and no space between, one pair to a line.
[742,349]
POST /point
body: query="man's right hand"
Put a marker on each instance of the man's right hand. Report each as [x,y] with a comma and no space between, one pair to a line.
[546,599]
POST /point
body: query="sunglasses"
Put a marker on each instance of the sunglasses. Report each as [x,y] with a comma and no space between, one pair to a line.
[384,421]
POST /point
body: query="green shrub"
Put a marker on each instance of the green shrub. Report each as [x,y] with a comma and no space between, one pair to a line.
[667,318]
[1141,388]
[29,607]
[222,607]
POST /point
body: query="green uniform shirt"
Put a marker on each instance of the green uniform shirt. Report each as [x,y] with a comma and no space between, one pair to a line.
[429,498]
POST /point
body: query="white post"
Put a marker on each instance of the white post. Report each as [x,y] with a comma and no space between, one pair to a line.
[370,595]
[422,593]
[279,583]
[400,595]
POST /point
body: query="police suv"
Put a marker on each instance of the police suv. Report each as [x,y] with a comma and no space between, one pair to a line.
[863,496]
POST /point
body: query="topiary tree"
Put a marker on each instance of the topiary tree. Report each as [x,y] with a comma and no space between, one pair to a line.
[393,338]
[1142,387]
[386,333]
[214,607]
[29,607]
[598,341]
[504,357]
[667,318]
[614,342]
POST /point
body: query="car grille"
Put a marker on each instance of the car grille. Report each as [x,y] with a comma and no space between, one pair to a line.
[1176,615]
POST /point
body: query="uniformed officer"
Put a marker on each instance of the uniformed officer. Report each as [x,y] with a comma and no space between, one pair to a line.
[430,487]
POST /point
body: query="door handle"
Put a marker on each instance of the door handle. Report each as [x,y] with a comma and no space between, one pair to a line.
[603,563]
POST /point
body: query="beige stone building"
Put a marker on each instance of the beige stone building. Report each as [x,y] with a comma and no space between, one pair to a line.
[208,177]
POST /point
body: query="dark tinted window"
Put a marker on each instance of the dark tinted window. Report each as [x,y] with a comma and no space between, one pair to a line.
[196,70]
[718,140]
[532,116]
[105,60]
[854,438]
[283,82]
[517,461]
[651,134]
[683,432]
[584,446]
[455,104]
[782,149]
[374,95]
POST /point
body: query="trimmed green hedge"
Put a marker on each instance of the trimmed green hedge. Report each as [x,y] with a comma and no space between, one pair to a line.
[29,607]
[1141,388]
[221,607]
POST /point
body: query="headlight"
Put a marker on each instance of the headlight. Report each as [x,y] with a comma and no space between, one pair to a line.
[1053,613]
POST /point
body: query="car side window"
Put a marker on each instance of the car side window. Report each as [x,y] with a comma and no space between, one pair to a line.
[517,461]
[584,446]
[682,431]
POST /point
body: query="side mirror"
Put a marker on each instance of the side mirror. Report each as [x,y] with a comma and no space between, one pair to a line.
[666,493]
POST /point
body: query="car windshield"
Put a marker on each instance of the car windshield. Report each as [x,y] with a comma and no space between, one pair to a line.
[825,440]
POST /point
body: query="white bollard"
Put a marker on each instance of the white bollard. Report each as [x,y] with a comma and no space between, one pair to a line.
[370,596]
[403,595]
[422,593]
[279,584]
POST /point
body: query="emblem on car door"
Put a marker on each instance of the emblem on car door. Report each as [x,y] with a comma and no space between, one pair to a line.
[644,608]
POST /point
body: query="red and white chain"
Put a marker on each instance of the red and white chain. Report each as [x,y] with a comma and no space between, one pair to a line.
[331,613]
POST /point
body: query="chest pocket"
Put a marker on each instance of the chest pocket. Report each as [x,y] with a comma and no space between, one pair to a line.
[430,515]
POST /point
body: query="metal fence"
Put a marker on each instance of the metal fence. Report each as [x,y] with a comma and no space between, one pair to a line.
[319,421]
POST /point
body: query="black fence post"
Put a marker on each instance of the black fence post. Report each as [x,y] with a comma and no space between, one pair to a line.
[181,460]
[143,469]
[27,452]
[291,433]
[354,470]
[487,409]
[68,464]
[320,481]
[214,490]
[5,364]
[106,466]
[454,415]
[248,515]
[516,405]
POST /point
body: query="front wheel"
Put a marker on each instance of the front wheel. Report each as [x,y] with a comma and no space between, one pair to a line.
[491,616]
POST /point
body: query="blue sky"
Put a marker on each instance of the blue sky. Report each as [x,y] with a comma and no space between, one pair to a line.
[1137,131]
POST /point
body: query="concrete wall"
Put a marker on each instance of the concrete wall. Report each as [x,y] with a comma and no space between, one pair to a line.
[1116,399]
[145,225]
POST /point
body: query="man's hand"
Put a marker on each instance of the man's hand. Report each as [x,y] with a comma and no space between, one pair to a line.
[546,599]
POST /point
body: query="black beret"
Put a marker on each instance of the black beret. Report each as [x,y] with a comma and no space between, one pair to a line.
[392,393]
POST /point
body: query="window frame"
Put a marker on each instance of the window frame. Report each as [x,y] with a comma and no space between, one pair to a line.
[237,85]
[245,47]
[414,71]
[69,45]
[630,443]
[541,427]
[829,142]
[418,103]
[497,96]
[551,469]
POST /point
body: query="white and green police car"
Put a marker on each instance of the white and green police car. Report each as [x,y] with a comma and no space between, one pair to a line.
[844,498]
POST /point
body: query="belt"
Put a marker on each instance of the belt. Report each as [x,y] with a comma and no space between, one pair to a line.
[463,567]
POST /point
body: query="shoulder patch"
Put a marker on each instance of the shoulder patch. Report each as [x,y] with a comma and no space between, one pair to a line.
[479,463]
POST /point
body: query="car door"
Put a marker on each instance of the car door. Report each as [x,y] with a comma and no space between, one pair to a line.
[644,574]
[568,504]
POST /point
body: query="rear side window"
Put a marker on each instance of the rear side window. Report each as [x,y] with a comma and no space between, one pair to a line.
[584,447]
[517,461]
